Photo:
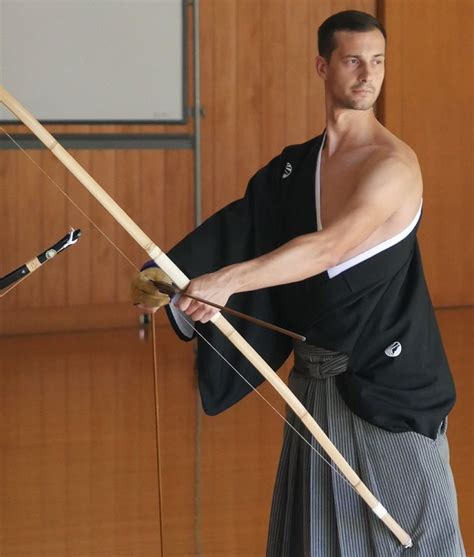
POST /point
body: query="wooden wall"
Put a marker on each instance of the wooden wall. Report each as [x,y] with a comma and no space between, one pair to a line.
[78,474]
[427,102]
[260,93]
[88,286]
[78,462]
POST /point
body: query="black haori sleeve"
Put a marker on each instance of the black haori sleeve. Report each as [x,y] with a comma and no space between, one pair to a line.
[275,208]
[243,230]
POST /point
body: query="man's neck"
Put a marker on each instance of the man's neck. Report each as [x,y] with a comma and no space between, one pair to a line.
[346,129]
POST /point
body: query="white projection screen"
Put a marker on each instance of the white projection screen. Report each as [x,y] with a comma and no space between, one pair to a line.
[95,61]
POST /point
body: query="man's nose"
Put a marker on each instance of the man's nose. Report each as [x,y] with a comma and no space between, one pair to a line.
[366,75]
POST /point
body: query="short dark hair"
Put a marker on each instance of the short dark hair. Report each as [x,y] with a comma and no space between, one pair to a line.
[350,20]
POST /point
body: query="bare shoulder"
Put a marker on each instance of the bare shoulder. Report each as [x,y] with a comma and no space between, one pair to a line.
[393,154]
[392,175]
[386,193]
[393,165]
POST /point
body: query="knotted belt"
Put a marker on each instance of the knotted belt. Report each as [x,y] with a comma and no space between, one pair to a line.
[318,363]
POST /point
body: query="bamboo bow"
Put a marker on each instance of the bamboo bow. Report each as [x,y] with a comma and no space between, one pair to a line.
[182,281]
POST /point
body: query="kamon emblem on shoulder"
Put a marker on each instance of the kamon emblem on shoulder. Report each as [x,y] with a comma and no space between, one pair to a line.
[288,170]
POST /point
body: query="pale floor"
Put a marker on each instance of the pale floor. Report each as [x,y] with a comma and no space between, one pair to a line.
[78,462]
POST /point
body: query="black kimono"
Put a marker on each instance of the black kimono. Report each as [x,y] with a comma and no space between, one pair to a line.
[373,373]
[360,312]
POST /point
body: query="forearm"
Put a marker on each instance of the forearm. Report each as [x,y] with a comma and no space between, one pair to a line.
[298,259]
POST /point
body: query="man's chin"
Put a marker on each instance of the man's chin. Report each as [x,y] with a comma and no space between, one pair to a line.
[357,105]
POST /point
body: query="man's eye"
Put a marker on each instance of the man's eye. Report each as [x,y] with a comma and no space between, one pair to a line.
[353,60]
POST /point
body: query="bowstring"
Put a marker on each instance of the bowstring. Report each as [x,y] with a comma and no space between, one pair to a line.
[123,254]
[70,199]
[190,323]
[157,426]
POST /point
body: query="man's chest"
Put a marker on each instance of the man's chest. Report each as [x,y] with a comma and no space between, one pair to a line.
[338,179]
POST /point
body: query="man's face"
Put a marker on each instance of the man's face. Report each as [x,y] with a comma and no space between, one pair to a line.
[355,72]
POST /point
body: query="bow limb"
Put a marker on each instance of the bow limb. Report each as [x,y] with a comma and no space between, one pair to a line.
[182,281]
[29,267]
[155,253]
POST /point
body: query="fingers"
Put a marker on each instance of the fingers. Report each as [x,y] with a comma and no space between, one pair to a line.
[183,303]
[196,310]
[206,287]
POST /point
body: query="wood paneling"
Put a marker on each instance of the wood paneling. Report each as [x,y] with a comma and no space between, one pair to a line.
[78,462]
[457,329]
[260,93]
[77,456]
[77,452]
[240,452]
[78,473]
[428,103]
[9,221]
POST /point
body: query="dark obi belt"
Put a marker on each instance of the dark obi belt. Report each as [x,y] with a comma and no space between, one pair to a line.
[318,363]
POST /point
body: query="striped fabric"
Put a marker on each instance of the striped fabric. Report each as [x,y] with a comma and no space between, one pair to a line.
[315,513]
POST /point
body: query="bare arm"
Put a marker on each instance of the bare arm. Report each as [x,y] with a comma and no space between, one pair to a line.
[381,191]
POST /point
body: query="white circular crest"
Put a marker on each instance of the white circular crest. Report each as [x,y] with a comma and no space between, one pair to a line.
[394,350]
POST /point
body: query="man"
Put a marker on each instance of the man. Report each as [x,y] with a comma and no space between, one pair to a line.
[326,244]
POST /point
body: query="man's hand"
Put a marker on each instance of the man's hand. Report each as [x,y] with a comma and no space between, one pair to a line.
[215,287]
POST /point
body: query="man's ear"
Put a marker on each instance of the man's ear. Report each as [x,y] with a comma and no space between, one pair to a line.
[321,65]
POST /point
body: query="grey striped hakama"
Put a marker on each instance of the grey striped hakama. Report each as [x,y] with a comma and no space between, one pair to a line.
[315,513]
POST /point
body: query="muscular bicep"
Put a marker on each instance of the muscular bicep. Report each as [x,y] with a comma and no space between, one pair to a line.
[380,192]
